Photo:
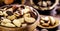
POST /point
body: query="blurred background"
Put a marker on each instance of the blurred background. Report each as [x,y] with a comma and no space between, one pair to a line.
[44,10]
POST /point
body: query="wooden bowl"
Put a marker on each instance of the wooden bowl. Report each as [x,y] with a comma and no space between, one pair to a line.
[43,8]
[57,23]
[27,28]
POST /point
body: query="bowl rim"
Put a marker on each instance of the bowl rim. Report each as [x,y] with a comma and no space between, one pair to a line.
[49,8]
[38,17]
[57,24]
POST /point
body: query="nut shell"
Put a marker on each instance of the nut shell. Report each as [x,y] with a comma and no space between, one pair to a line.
[17,22]
[11,17]
[29,19]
